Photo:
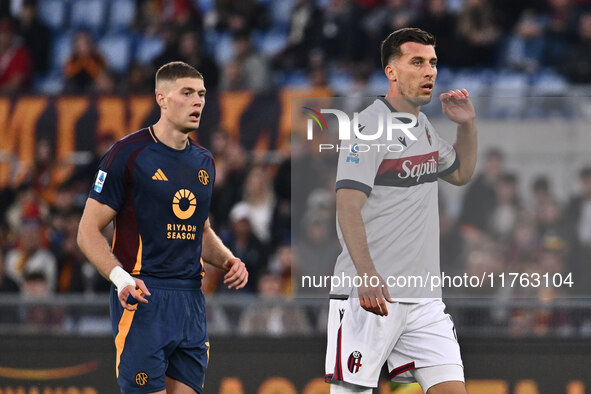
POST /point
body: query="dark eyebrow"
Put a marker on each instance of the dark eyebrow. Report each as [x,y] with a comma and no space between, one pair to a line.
[422,58]
[191,90]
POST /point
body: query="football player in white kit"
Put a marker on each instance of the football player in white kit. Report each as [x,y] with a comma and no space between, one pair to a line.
[388,225]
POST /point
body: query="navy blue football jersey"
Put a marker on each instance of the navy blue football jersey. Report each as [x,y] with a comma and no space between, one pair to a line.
[162,198]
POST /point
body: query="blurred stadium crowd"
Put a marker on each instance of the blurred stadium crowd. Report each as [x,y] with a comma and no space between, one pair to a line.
[56,46]
[115,46]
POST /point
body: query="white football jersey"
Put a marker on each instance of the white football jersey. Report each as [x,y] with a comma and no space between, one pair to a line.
[401,214]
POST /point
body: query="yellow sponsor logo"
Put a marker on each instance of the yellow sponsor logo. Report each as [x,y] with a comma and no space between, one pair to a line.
[182,196]
[159,176]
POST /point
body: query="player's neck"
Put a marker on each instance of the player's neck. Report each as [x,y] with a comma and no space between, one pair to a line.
[170,136]
[401,104]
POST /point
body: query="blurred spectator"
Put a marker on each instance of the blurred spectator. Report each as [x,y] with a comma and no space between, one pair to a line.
[259,197]
[248,69]
[243,15]
[437,20]
[577,65]
[15,62]
[344,38]
[191,52]
[281,221]
[138,80]
[7,285]
[84,65]
[525,48]
[36,286]
[478,33]
[305,36]
[36,36]
[317,249]
[388,17]
[182,13]
[507,208]
[244,244]
[280,265]
[578,224]
[27,205]
[70,258]
[170,37]
[562,25]
[270,317]
[43,167]
[106,83]
[231,169]
[579,211]
[29,255]
[481,193]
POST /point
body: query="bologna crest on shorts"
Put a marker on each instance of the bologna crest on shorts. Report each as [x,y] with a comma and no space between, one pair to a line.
[354,362]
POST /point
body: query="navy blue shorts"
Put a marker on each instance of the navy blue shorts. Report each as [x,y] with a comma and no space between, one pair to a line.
[166,337]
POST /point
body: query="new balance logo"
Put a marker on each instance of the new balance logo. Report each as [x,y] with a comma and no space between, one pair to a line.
[402,140]
[159,176]
[342,313]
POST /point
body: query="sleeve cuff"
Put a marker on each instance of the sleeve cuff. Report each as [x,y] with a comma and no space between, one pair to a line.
[450,169]
[351,184]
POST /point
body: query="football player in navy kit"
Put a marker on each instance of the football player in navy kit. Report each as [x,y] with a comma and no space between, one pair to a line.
[156,186]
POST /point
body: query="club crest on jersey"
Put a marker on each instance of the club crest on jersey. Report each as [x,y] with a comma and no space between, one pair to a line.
[141,378]
[203,177]
[354,362]
[100,181]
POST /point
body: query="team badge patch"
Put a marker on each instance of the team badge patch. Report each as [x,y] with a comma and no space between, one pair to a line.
[354,362]
[203,177]
[100,181]
[141,378]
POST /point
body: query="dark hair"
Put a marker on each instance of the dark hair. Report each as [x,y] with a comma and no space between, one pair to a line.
[391,45]
[175,70]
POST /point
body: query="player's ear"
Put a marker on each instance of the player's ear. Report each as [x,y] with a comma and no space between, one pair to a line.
[161,99]
[390,72]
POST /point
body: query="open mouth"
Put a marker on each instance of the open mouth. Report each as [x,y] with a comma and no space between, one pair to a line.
[427,87]
[195,115]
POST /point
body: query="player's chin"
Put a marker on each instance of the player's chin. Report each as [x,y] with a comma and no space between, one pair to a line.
[422,99]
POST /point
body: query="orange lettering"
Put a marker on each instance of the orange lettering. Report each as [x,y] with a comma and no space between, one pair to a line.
[575,387]
[526,387]
[69,112]
[487,387]
[277,385]
[317,386]
[111,117]
[18,125]
[231,385]
[140,108]
[232,106]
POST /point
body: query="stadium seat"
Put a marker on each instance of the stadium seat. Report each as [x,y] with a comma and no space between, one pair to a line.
[147,49]
[270,43]
[52,13]
[117,49]
[549,83]
[61,48]
[88,14]
[223,48]
[121,15]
